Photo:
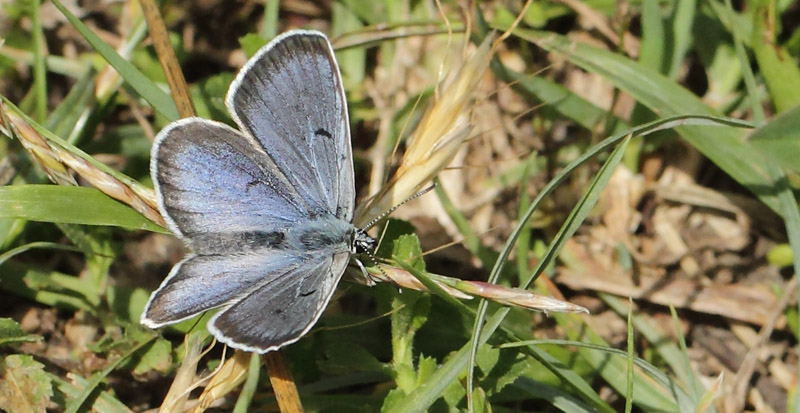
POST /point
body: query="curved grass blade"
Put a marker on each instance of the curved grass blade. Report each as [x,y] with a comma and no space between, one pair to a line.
[35,245]
[575,219]
[659,376]
[666,98]
[73,405]
[421,398]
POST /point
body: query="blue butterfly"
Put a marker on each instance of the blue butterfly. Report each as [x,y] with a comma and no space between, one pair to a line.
[266,209]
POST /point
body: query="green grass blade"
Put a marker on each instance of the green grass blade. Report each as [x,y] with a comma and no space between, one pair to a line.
[681,21]
[791,216]
[35,245]
[251,384]
[158,99]
[776,65]
[577,216]
[73,405]
[779,140]
[652,47]
[673,355]
[630,376]
[71,205]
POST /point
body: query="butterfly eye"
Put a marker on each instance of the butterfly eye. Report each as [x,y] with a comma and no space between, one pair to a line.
[362,242]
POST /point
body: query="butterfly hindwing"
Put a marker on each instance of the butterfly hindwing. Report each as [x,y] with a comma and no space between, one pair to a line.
[199,283]
[294,303]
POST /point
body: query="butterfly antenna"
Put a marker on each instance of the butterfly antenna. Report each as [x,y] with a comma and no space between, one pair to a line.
[392,209]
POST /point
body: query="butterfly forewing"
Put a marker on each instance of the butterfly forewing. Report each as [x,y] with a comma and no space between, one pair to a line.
[211,179]
[290,98]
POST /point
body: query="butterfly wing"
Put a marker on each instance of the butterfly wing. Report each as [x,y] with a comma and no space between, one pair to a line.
[290,98]
[279,312]
[211,179]
[203,282]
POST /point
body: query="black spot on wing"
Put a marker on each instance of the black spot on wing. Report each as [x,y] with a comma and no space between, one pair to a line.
[323,132]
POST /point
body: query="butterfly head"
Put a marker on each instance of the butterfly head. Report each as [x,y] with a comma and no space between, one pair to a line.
[362,242]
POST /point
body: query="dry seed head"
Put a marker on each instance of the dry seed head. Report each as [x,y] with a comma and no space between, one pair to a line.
[227,378]
[437,138]
[41,152]
[405,279]
[58,161]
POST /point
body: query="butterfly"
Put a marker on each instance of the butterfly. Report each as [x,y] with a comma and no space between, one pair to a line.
[266,209]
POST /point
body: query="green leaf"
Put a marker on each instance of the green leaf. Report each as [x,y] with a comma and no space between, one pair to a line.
[406,248]
[486,358]
[346,357]
[391,231]
[512,365]
[454,393]
[157,356]
[48,287]
[425,368]
[410,313]
[11,333]
[208,96]
[24,385]
[250,43]
[127,303]
[105,402]
[779,140]
[70,205]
